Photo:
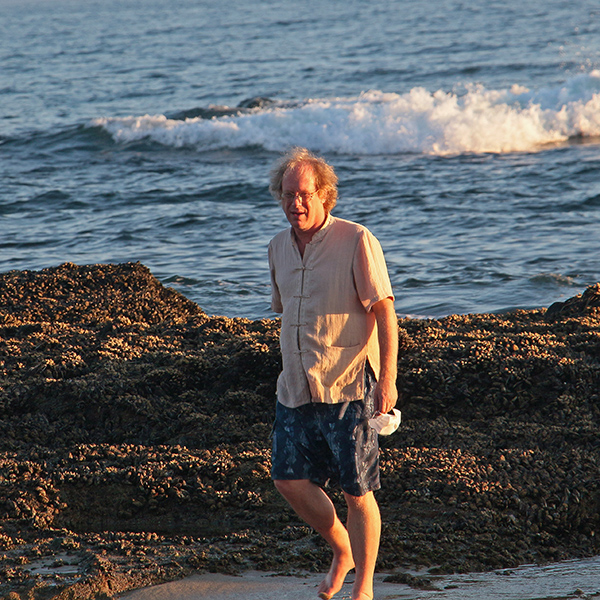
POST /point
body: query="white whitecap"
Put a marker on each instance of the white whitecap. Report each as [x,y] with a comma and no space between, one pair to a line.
[376,122]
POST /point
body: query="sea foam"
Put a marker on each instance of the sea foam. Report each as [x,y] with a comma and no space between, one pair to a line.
[475,120]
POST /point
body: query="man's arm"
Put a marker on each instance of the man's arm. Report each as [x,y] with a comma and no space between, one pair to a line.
[386,393]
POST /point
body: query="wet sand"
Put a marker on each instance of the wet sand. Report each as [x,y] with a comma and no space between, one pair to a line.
[134,439]
[254,586]
[566,580]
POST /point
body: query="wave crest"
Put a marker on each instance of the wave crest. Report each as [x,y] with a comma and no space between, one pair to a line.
[375,122]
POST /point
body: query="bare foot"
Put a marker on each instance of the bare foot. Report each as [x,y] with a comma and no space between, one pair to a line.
[334,580]
[363,596]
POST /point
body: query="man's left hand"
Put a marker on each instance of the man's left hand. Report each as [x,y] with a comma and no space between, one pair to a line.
[386,395]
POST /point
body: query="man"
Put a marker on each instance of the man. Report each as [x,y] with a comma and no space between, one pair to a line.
[339,343]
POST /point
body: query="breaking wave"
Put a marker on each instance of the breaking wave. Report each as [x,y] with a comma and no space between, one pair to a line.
[475,120]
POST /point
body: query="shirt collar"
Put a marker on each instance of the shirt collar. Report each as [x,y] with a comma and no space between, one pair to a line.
[321,233]
[326,226]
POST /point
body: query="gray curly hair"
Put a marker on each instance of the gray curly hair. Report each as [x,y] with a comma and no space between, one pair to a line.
[325,177]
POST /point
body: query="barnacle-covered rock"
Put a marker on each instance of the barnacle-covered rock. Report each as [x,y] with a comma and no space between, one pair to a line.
[580,305]
[135,435]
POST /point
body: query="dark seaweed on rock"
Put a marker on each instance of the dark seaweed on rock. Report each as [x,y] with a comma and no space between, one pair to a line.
[95,294]
[586,303]
[106,354]
[134,437]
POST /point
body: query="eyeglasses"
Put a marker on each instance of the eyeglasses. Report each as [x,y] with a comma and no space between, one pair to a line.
[304,196]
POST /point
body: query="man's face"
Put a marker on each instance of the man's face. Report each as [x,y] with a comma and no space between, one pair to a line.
[301,202]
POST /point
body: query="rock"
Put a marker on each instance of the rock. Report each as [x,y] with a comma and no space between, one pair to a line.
[580,305]
[134,438]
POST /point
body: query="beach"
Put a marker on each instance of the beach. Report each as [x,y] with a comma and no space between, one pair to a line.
[566,580]
[135,440]
[251,586]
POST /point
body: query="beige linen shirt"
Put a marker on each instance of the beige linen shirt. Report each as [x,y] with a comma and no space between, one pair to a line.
[328,330]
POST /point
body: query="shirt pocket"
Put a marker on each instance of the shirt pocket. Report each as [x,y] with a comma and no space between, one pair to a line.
[341,330]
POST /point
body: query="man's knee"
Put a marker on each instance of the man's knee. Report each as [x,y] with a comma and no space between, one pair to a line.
[365,502]
[290,487]
[282,485]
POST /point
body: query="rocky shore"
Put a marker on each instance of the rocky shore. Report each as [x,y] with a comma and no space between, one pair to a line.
[134,439]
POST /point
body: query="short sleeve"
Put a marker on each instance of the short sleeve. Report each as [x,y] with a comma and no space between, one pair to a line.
[276,304]
[370,272]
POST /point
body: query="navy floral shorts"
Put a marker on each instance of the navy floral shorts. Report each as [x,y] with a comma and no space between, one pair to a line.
[329,443]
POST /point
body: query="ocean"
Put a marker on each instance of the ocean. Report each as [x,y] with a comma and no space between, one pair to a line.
[466,135]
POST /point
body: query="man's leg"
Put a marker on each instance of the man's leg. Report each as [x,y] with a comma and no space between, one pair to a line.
[314,506]
[364,528]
